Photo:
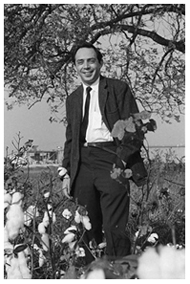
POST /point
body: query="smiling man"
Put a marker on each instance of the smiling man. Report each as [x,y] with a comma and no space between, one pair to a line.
[89,152]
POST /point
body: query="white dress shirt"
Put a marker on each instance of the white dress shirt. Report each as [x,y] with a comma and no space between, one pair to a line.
[96,130]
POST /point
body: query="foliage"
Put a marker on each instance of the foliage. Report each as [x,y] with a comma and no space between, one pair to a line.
[131,132]
[48,243]
[142,44]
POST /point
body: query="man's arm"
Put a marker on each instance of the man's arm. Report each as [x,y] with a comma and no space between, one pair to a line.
[67,146]
[64,171]
[126,102]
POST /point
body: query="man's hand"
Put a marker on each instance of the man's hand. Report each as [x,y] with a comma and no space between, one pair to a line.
[62,172]
[66,186]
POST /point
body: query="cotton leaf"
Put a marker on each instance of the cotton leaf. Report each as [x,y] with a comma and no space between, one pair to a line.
[118,129]
[128,173]
[142,115]
[129,125]
[20,247]
[151,125]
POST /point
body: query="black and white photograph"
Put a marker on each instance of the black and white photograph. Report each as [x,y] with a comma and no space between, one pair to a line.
[94,140]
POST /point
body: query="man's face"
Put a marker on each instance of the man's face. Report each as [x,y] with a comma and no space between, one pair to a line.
[87,65]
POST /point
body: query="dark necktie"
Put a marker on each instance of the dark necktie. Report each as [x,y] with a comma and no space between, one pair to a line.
[85,118]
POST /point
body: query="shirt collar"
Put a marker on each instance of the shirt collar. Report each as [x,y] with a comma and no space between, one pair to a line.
[93,86]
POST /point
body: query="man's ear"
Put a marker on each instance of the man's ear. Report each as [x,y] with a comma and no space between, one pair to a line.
[101,63]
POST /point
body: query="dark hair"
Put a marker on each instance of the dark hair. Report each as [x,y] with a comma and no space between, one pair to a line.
[86,45]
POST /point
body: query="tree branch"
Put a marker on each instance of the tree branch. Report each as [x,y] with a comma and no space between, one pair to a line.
[178,45]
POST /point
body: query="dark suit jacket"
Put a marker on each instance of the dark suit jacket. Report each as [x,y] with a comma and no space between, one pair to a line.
[115,101]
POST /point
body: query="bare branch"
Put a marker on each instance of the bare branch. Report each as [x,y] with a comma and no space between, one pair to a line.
[178,45]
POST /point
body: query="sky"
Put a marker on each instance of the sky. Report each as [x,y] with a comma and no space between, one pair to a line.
[34,124]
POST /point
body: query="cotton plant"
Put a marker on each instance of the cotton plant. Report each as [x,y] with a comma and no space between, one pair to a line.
[42,227]
[41,259]
[131,134]
[67,214]
[16,262]
[29,214]
[73,236]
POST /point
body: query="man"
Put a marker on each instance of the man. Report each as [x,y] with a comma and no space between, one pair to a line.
[89,153]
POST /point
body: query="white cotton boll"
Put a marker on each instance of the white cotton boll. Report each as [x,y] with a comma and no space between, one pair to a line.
[72,245]
[6,238]
[49,206]
[172,263]
[15,221]
[8,247]
[7,200]
[80,252]
[47,194]
[36,247]
[51,213]
[61,171]
[153,238]
[6,204]
[27,252]
[41,228]
[23,266]
[180,264]
[41,258]
[13,272]
[54,218]
[27,219]
[68,238]
[149,265]
[167,258]
[77,217]
[96,274]
[66,214]
[86,222]
[45,241]
[29,214]
[17,197]
[46,219]
[137,234]
[102,245]
[70,229]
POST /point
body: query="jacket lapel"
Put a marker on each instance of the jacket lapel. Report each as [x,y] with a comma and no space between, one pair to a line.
[78,108]
[103,94]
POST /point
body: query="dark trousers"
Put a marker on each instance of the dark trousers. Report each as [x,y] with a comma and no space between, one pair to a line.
[106,200]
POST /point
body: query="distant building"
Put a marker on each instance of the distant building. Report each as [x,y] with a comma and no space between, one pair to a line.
[35,156]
